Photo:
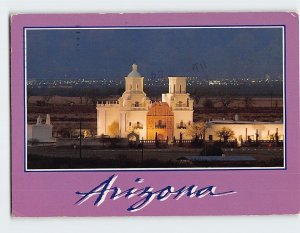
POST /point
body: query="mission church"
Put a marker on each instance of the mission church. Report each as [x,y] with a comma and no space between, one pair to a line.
[134,112]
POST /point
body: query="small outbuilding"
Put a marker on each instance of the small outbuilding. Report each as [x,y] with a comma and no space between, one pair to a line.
[40,132]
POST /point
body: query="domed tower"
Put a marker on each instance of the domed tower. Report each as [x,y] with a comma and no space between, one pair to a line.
[134,82]
[134,105]
[128,114]
[134,95]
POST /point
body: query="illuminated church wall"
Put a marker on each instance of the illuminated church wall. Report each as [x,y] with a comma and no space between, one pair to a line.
[160,121]
[243,129]
[130,111]
[107,114]
[182,119]
[133,121]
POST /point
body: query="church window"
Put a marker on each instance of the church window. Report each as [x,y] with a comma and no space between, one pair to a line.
[181,125]
[129,123]
[160,124]
[136,104]
[174,88]
[180,88]
[138,125]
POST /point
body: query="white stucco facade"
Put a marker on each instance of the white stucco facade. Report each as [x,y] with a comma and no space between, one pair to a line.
[244,130]
[40,132]
[129,113]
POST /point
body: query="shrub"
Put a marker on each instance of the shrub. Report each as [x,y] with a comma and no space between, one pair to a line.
[33,141]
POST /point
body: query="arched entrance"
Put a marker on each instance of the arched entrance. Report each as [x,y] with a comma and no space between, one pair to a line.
[133,137]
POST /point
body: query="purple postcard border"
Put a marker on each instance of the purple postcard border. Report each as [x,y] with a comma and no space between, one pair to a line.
[257,191]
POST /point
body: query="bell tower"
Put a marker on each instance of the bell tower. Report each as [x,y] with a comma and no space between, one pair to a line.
[134,105]
[177,85]
[181,104]
[134,82]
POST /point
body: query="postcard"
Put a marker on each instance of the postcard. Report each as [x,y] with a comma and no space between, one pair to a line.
[161,114]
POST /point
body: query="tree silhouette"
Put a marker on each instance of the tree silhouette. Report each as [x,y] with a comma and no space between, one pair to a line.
[226,99]
[113,129]
[225,133]
[197,129]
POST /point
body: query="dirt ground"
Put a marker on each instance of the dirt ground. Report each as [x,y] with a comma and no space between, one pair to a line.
[56,157]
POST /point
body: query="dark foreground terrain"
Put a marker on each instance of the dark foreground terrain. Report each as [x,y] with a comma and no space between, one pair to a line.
[57,158]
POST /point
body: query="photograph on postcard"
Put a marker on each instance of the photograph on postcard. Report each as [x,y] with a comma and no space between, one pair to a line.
[154,97]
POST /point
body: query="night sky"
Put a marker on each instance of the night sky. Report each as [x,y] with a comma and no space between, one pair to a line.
[202,52]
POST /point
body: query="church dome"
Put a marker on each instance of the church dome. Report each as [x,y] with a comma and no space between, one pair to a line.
[134,72]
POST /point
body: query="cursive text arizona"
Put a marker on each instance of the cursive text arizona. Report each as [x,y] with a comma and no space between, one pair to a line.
[146,194]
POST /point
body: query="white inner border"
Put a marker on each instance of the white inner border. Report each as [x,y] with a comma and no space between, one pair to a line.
[152,169]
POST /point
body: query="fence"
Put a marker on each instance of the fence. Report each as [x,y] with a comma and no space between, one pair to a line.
[124,143]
